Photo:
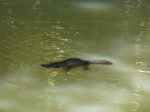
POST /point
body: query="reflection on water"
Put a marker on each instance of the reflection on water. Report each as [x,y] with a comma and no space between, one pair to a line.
[40,31]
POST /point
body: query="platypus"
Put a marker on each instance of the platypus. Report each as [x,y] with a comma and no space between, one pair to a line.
[75,62]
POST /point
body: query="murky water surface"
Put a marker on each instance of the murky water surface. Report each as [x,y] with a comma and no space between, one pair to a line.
[41,31]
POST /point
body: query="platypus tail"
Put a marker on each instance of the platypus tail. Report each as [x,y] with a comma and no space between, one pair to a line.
[46,65]
[53,65]
[105,62]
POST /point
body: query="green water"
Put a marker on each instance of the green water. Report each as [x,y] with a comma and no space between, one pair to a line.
[33,32]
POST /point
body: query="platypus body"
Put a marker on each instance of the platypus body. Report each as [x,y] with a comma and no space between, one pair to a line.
[75,62]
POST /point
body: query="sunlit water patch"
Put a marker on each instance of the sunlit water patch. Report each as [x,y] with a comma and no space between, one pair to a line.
[23,90]
[110,89]
[101,97]
[92,5]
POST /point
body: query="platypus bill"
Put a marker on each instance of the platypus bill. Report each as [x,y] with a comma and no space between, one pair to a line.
[75,62]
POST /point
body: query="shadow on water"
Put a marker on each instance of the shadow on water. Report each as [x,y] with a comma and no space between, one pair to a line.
[43,31]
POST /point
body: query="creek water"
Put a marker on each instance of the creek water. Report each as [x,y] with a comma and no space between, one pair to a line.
[33,32]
